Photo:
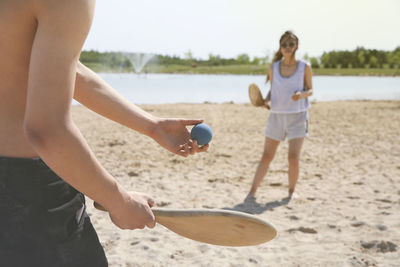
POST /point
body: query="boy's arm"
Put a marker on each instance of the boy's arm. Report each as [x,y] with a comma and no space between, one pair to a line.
[93,92]
[48,125]
[97,95]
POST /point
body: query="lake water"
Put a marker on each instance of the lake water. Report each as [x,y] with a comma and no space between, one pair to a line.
[177,88]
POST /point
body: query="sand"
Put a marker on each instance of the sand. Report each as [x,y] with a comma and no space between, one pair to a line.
[348,212]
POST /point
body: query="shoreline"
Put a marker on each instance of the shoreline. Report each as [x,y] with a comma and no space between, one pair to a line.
[244,70]
[233,74]
[248,104]
[248,74]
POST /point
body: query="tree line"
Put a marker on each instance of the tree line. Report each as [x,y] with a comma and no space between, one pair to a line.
[358,58]
[122,60]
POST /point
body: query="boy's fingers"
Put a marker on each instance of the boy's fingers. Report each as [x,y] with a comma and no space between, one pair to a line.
[203,148]
[184,150]
[150,201]
[192,122]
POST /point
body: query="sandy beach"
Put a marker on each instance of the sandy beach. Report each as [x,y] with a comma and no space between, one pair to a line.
[348,212]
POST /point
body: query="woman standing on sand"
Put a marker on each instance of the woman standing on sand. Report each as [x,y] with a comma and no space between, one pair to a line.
[287,99]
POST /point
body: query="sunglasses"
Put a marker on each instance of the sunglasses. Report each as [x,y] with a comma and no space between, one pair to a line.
[291,45]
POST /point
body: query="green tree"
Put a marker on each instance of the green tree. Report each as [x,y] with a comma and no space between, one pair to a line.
[373,62]
[256,61]
[325,60]
[393,58]
[345,58]
[243,59]
[214,60]
[361,59]
[189,55]
[314,63]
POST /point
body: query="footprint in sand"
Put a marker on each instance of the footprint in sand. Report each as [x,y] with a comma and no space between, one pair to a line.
[116,143]
[379,246]
[302,229]
[354,261]
[275,184]
[203,248]
[381,227]
[224,155]
[318,175]
[176,161]
[135,243]
[132,174]
[358,224]
[163,204]
[109,244]
[384,200]
[351,197]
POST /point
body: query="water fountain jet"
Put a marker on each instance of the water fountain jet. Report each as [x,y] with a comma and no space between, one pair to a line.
[139,60]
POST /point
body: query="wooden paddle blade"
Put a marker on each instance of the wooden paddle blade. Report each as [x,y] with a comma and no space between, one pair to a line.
[217,227]
[255,95]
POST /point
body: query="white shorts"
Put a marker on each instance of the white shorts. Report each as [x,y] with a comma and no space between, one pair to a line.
[290,125]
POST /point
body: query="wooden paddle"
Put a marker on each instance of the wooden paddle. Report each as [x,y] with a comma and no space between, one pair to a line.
[215,226]
[255,95]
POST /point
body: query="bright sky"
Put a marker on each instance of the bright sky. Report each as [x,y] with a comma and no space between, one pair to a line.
[232,27]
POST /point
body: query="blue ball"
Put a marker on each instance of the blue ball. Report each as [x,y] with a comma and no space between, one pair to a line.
[202,133]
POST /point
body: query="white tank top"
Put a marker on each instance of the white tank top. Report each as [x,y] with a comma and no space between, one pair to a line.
[282,89]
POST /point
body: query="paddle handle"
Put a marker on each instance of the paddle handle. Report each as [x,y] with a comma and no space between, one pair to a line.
[156,211]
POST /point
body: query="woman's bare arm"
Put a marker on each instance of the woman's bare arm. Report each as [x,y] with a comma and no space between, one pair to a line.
[308,90]
[308,82]
[268,97]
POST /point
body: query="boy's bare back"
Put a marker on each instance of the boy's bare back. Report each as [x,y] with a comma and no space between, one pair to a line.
[19,20]
[17,29]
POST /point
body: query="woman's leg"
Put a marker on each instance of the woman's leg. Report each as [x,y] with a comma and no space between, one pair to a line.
[270,147]
[294,158]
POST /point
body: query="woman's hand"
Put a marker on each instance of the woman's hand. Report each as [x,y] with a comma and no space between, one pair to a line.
[296,96]
[173,135]
[266,104]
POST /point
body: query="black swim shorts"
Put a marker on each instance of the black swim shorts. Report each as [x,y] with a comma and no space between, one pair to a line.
[42,219]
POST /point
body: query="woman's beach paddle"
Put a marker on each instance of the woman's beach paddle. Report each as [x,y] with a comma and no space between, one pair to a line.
[215,226]
[255,95]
